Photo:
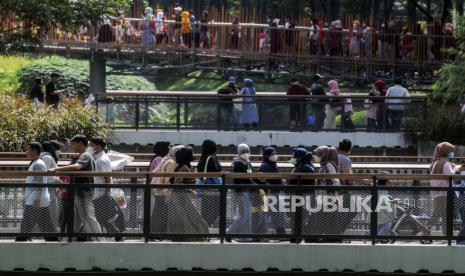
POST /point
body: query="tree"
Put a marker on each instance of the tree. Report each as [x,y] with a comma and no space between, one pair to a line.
[43,15]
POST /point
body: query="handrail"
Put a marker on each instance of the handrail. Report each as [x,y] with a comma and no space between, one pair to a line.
[239,175]
[212,94]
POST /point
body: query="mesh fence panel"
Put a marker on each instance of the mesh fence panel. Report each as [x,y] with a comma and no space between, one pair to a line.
[184,211]
[336,213]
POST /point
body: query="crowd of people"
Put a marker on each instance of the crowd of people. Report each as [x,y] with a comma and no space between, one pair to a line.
[97,210]
[384,106]
[353,38]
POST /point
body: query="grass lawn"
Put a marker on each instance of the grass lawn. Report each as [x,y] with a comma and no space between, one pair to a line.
[9,67]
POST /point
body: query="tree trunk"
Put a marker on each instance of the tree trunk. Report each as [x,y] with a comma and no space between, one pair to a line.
[423,10]
[334,7]
[459,7]
[446,11]
[412,15]
[374,14]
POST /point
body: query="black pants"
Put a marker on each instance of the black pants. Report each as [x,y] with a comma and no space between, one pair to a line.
[159,216]
[33,216]
[209,207]
[320,115]
[106,210]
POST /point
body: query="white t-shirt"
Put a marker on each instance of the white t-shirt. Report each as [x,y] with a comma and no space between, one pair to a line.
[31,194]
[102,164]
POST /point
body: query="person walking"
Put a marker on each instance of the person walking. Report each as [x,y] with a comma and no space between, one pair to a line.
[269,165]
[160,149]
[183,216]
[227,104]
[36,199]
[52,94]
[249,113]
[297,105]
[159,218]
[208,163]
[396,107]
[334,105]
[36,94]
[442,165]
[84,211]
[106,209]
[243,222]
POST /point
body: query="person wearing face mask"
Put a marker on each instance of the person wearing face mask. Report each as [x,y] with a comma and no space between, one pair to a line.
[442,165]
[329,164]
[241,164]
[270,165]
[83,205]
[106,209]
[302,161]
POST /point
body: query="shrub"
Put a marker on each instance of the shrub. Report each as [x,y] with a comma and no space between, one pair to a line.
[75,76]
[21,122]
[9,67]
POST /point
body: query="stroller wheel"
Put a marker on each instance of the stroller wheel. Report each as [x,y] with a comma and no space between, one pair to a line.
[426,241]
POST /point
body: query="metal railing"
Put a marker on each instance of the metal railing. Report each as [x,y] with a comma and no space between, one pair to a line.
[153,210]
[259,48]
[208,111]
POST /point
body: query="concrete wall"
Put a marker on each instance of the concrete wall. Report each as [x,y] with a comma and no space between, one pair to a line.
[265,138]
[260,257]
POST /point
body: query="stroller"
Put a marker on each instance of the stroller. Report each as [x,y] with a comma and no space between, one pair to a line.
[405,223]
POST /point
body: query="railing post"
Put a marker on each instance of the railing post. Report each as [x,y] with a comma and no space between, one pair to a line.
[219,124]
[147,209]
[70,208]
[373,214]
[298,215]
[450,213]
[178,113]
[223,206]
[137,117]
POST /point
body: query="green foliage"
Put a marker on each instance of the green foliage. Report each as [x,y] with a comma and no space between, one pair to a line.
[446,123]
[75,76]
[21,123]
[43,15]
[449,87]
[9,68]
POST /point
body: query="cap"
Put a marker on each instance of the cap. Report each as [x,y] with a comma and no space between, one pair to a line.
[232,80]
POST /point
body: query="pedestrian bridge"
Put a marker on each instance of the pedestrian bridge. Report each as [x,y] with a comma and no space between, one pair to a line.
[145,117]
[363,248]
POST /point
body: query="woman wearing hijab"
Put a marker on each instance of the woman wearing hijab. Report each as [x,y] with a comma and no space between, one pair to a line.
[160,149]
[249,113]
[329,164]
[334,107]
[335,223]
[241,164]
[160,208]
[270,165]
[50,154]
[183,217]
[302,161]
[208,163]
[442,165]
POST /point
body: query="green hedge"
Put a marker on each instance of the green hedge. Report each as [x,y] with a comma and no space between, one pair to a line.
[75,76]
[21,122]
